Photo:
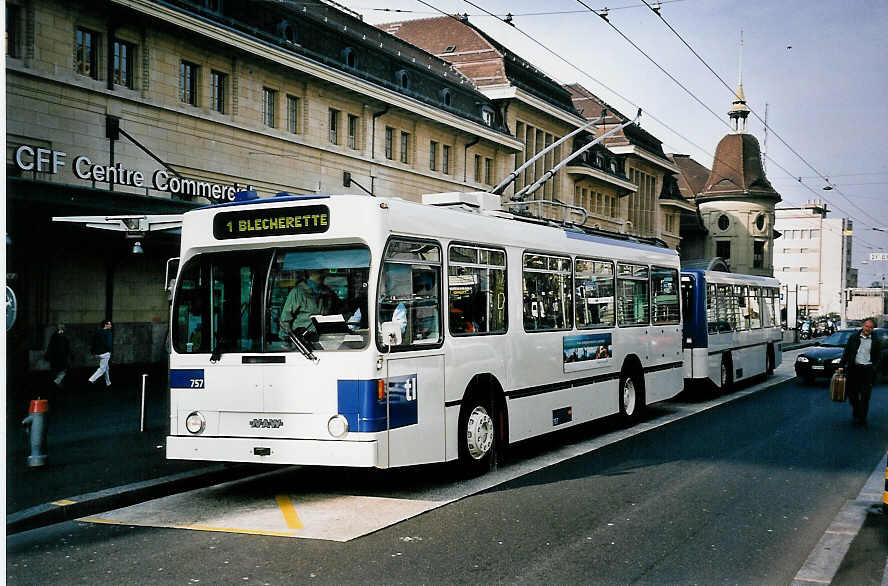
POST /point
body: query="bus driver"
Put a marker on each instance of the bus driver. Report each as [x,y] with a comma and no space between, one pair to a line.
[309,297]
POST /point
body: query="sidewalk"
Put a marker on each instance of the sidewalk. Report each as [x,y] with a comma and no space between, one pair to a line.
[96,451]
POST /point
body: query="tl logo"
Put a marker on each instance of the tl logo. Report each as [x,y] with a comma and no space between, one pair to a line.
[410,389]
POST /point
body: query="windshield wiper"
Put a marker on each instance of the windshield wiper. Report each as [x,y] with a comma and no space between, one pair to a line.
[301,346]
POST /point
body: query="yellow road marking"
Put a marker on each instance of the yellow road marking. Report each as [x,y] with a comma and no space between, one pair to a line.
[290,516]
[63,503]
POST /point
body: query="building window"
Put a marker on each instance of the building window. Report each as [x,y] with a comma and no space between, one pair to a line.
[334,126]
[350,57]
[446,97]
[405,147]
[402,79]
[269,103]
[760,222]
[477,168]
[445,160]
[188,73]
[293,114]
[487,115]
[13,26]
[86,48]
[723,222]
[433,155]
[352,131]
[758,254]
[124,59]
[488,170]
[389,147]
[723,249]
[218,81]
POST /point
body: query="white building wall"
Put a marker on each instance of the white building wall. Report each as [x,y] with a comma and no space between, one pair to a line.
[808,255]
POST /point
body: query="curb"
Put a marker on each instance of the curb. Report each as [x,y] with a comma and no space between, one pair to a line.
[128,494]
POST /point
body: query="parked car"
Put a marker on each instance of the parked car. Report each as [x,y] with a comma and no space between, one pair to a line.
[822,359]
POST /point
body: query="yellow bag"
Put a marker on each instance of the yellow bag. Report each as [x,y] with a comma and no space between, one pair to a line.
[837,386]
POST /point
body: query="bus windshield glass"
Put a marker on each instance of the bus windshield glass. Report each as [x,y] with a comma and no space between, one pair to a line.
[255,301]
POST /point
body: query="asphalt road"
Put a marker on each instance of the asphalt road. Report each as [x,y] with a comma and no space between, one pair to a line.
[738,494]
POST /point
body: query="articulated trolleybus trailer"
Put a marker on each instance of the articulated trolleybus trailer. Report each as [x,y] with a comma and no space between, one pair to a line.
[731,326]
[452,327]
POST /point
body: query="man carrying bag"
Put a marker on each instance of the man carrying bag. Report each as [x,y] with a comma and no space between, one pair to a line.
[861,362]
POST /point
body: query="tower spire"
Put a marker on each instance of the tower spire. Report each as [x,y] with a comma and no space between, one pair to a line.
[739,110]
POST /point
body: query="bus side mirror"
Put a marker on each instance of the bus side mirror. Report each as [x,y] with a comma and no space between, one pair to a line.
[391,333]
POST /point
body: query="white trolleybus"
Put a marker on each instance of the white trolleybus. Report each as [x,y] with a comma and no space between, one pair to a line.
[731,328]
[361,331]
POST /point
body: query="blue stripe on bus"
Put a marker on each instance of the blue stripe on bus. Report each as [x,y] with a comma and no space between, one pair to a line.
[187,379]
[694,326]
[359,403]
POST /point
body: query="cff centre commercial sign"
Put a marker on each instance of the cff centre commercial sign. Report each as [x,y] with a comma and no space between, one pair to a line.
[43,160]
[879,256]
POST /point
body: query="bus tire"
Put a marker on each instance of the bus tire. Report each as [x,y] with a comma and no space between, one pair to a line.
[477,435]
[726,378]
[769,360]
[631,396]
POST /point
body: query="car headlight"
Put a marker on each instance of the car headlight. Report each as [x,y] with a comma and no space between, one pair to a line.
[195,422]
[836,360]
[802,359]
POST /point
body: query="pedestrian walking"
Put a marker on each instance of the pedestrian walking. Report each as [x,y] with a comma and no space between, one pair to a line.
[58,354]
[861,362]
[101,348]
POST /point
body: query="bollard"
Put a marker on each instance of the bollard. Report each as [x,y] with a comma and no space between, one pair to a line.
[36,421]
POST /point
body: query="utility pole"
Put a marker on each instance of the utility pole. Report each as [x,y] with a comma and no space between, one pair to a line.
[842,310]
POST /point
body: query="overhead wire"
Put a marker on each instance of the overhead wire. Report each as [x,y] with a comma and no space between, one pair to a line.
[754,113]
[620,95]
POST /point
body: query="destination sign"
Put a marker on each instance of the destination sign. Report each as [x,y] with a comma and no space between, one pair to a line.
[271,222]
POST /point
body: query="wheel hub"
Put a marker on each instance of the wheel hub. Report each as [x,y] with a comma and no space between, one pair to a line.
[479,433]
[629,396]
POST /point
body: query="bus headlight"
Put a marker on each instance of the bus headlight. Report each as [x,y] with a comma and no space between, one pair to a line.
[836,360]
[195,422]
[337,426]
[802,359]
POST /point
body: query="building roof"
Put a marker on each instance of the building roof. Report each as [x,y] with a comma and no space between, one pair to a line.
[737,171]
[479,56]
[590,107]
[693,176]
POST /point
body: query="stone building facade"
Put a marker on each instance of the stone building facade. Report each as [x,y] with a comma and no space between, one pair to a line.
[148,107]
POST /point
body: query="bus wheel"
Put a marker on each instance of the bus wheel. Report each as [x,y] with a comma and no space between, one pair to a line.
[477,436]
[727,375]
[770,361]
[631,398]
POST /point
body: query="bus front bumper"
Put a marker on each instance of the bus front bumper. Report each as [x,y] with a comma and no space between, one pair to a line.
[359,454]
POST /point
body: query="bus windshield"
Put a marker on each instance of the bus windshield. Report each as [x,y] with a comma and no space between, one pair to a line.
[255,301]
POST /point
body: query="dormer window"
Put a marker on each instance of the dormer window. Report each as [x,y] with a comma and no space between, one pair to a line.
[402,79]
[287,31]
[446,97]
[487,115]
[450,48]
[349,57]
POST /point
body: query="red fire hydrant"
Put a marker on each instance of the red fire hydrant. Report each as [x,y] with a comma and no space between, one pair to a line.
[36,421]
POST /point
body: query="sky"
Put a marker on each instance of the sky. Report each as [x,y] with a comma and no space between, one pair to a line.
[819,68]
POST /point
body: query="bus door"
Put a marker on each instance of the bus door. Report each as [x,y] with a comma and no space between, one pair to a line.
[409,304]
[415,403]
